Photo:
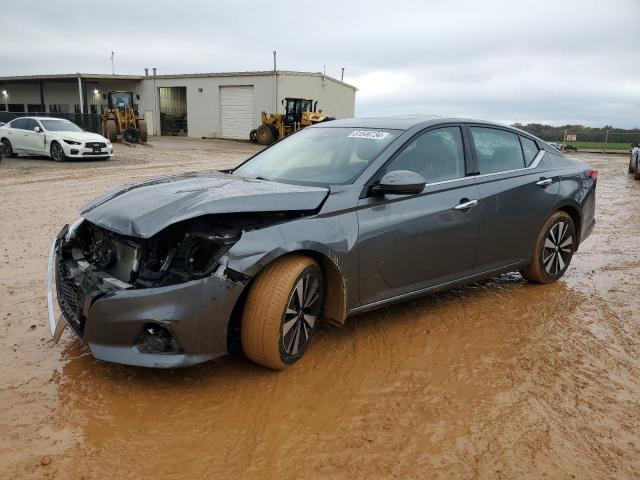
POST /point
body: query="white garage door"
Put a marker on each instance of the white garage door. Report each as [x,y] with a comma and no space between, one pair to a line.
[236,106]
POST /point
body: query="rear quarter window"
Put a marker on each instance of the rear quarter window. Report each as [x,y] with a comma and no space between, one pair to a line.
[530,150]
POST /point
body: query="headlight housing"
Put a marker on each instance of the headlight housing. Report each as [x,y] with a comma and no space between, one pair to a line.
[203,250]
[72,142]
[71,231]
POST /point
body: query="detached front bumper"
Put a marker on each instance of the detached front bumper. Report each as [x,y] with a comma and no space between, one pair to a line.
[112,318]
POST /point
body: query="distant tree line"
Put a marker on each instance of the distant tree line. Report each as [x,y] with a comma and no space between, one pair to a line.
[584,134]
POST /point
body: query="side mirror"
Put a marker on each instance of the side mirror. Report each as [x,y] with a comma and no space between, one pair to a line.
[400,182]
[36,129]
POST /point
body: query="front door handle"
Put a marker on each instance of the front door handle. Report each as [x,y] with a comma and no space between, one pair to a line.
[543,182]
[466,205]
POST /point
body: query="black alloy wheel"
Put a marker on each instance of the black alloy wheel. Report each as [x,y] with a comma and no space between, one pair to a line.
[57,153]
[302,313]
[8,149]
[558,248]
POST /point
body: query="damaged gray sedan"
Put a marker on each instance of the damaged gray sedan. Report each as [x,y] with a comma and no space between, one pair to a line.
[337,219]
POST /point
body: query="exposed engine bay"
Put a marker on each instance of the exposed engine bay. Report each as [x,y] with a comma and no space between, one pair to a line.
[184,251]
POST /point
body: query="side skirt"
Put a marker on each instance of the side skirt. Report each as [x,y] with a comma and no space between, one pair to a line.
[436,288]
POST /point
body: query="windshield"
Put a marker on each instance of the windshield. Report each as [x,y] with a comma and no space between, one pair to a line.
[121,100]
[60,126]
[319,155]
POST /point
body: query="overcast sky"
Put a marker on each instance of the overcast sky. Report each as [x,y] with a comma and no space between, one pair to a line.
[551,61]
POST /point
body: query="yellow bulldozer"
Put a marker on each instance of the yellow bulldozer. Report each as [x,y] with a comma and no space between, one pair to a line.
[121,120]
[298,113]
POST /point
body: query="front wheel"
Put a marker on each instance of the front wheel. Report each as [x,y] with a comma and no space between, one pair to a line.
[636,173]
[57,153]
[281,312]
[631,162]
[554,249]
[111,130]
[8,149]
[142,128]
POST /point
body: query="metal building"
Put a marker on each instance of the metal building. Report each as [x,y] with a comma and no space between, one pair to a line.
[216,105]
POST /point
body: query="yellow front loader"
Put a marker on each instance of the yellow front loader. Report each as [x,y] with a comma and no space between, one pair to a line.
[298,113]
[120,120]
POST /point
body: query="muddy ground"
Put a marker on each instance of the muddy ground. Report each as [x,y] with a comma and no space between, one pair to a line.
[497,380]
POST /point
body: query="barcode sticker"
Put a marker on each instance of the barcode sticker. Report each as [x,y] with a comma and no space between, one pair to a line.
[372,134]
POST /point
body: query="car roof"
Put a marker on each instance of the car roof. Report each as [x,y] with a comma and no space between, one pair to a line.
[50,118]
[43,118]
[405,122]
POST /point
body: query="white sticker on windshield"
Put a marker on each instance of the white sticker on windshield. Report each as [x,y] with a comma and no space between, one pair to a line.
[373,134]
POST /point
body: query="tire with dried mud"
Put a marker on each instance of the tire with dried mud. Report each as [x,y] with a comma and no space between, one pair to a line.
[111,130]
[281,311]
[554,249]
[142,127]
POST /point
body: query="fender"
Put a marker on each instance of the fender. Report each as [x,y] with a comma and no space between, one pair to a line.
[328,239]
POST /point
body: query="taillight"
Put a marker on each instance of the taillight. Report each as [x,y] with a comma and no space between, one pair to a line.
[592,174]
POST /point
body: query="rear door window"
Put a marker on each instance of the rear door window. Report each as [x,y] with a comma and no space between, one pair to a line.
[497,150]
[530,150]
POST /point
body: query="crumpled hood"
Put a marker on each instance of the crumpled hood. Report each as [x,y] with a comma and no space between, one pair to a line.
[144,209]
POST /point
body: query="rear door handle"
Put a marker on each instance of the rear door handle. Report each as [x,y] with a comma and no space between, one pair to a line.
[543,182]
[466,205]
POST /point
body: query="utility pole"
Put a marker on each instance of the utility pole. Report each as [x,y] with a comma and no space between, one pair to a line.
[606,139]
[275,83]
[156,113]
[113,65]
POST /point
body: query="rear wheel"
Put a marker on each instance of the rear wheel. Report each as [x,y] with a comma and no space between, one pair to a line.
[57,153]
[8,149]
[111,130]
[636,172]
[554,249]
[265,134]
[281,312]
[631,162]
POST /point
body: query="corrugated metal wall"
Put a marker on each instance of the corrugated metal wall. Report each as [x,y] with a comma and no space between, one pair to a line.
[204,97]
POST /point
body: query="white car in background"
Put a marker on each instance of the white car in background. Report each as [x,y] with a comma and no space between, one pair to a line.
[57,138]
[634,162]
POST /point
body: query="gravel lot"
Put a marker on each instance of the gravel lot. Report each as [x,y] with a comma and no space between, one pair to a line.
[497,380]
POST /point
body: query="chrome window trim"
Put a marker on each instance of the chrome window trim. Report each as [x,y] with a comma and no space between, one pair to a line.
[534,164]
[468,177]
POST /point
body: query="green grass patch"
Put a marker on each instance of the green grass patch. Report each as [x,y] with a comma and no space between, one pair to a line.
[601,145]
